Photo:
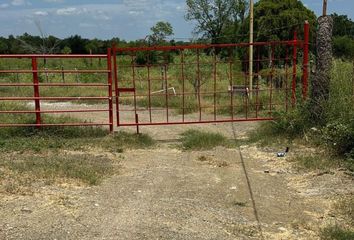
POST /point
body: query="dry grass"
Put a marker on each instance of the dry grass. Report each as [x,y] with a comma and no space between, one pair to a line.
[23,173]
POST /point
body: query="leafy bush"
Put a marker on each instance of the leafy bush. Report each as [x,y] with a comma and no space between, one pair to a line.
[343,47]
[336,131]
[293,123]
[339,136]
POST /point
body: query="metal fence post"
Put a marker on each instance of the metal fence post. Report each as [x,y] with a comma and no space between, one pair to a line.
[110,88]
[116,87]
[36,91]
[293,87]
[305,74]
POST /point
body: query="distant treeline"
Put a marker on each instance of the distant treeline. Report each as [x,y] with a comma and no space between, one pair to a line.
[343,38]
[27,43]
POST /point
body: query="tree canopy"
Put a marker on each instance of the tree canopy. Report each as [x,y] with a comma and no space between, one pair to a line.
[160,31]
[214,16]
[277,19]
[342,26]
[343,36]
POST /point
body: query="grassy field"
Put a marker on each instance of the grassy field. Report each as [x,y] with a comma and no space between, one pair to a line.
[31,156]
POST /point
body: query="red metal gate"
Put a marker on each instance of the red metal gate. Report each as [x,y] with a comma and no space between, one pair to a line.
[16,84]
[160,85]
[208,83]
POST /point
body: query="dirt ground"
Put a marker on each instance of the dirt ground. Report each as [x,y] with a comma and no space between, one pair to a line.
[167,193]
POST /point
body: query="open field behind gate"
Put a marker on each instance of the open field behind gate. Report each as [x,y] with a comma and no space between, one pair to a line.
[189,84]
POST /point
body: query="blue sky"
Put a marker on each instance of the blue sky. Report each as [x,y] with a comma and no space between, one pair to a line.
[126,19]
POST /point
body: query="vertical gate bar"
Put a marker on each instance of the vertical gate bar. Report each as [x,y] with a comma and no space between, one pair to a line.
[258,72]
[248,93]
[215,72]
[166,91]
[110,88]
[293,88]
[149,86]
[246,79]
[305,74]
[271,81]
[183,85]
[115,66]
[133,56]
[36,91]
[199,87]
[231,84]
[286,79]
[137,124]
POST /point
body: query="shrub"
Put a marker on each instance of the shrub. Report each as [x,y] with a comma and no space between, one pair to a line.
[340,137]
[292,124]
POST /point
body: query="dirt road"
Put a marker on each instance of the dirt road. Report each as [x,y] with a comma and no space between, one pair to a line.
[166,193]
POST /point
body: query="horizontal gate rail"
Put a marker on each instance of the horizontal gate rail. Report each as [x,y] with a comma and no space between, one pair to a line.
[37,86]
[47,56]
[206,46]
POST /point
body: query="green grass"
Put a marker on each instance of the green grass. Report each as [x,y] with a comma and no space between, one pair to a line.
[336,233]
[29,155]
[55,139]
[86,168]
[21,139]
[198,140]
[317,162]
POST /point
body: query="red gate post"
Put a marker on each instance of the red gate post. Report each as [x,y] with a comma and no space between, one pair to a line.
[305,74]
[293,88]
[36,91]
[115,67]
[110,88]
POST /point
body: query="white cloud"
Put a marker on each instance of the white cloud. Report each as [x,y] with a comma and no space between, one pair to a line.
[4,5]
[70,11]
[54,1]
[41,13]
[135,13]
[91,12]
[87,25]
[18,2]
[101,15]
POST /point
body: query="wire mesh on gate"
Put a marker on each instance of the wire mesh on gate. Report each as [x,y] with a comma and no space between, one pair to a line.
[205,83]
[49,84]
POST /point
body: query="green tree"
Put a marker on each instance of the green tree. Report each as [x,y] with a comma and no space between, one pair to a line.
[76,44]
[160,31]
[93,46]
[343,36]
[3,45]
[214,16]
[342,26]
[66,50]
[276,19]
[343,47]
